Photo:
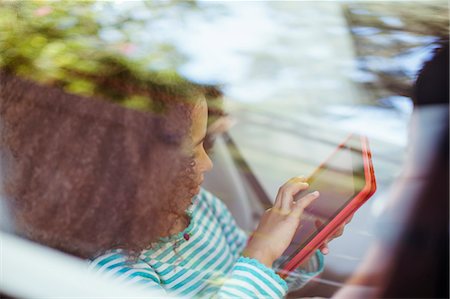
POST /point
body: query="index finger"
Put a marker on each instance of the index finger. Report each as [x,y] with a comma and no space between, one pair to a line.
[287,191]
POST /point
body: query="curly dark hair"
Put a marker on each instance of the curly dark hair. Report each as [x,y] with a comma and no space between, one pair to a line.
[84,176]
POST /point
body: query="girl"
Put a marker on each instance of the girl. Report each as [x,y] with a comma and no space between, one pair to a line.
[123,189]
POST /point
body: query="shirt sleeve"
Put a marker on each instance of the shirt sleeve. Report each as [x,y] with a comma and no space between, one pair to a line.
[297,279]
[248,279]
[235,236]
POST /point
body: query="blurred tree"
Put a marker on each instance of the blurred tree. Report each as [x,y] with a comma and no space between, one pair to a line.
[392,39]
[93,48]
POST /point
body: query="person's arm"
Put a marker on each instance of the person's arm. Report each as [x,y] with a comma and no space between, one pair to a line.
[248,277]
[281,212]
[276,227]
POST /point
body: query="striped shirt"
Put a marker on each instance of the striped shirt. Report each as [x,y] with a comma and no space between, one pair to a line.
[204,260]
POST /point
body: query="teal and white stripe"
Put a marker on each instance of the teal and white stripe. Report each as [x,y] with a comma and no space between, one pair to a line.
[209,264]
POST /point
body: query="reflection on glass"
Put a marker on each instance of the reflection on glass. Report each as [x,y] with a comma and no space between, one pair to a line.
[338,180]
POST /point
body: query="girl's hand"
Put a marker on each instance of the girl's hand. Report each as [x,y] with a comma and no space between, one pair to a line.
[279,224]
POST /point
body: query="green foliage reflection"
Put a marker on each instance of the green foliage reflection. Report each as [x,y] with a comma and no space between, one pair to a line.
[60,43]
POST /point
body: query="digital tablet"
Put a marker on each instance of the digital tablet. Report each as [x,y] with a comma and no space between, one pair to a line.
[345,181]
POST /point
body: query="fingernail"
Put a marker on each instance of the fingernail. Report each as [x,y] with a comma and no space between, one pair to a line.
[325,251]
[315,193]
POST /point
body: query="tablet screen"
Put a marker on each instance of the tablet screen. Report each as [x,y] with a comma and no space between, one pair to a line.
[338,180]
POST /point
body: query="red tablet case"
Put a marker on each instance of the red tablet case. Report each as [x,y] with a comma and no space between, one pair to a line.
[358,200]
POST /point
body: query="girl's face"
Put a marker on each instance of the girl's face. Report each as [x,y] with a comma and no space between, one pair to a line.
[202,163]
